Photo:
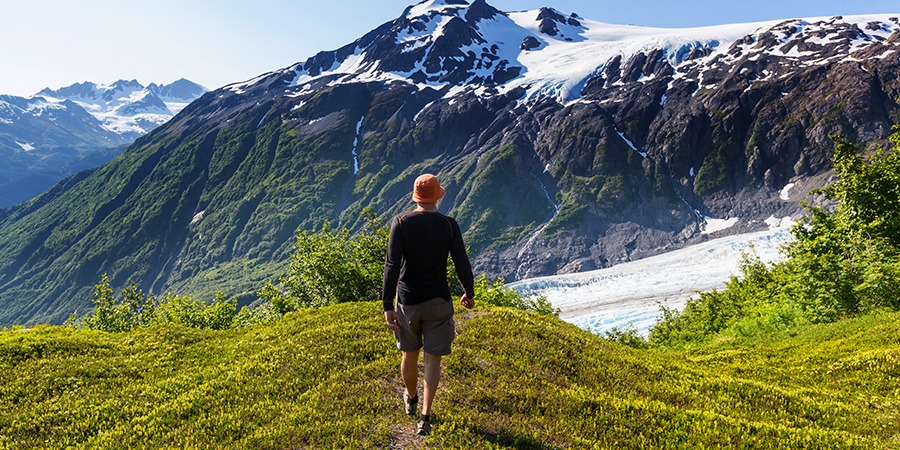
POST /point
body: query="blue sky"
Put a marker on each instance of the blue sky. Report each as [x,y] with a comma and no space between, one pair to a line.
[54,43]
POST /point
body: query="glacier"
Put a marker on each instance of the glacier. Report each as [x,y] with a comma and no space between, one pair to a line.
[630,294]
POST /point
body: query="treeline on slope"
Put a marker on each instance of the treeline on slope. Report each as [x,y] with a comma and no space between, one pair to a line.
[327,267]
[842,263]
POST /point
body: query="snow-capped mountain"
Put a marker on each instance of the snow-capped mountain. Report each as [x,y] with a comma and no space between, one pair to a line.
[564,144]
[40,133]
[698,106]
[129,108]
[53,134]
[447,43]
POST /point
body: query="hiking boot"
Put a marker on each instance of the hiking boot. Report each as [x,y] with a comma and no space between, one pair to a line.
[424,427]
[410,404]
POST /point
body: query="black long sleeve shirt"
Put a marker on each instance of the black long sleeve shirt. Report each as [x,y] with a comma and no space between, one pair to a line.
[415,269]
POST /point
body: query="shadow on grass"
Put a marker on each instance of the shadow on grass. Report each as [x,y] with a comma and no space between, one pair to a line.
[507,439]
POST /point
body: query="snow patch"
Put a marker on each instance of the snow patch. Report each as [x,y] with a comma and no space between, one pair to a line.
[176,107]
[630,144]
[197,217]
[263,118]
[414,45]
[416,117]
[429,7]
[26,146]
[355,142]
[711,225]
[775,223]
[786,192]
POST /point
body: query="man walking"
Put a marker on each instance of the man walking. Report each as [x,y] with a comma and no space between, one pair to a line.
[415,271]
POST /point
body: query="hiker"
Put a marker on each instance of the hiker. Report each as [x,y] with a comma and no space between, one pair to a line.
[415,270]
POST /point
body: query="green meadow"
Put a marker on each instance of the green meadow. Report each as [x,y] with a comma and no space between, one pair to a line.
[327,378]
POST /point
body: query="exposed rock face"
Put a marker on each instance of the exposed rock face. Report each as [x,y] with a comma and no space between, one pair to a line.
[530,43]
[563,157]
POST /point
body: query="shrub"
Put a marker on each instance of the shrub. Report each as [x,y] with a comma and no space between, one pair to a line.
[331,266]
[496,293]
[715,311]
[844,262]
[136,309]
[626,336]
[841,263]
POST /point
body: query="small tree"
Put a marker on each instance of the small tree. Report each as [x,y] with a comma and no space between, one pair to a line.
[496,293]
[136,309]
[331,266]
[840,260]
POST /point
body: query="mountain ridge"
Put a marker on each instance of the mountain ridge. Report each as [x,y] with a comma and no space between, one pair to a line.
[640,163]
[52,134]
[127,107]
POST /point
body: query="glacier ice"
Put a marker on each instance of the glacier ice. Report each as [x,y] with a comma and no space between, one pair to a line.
[631,293]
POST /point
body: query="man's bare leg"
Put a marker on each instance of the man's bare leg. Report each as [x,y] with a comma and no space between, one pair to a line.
[409,371]
[432,378]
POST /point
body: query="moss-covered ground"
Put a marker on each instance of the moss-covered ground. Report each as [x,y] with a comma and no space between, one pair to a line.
[327,378]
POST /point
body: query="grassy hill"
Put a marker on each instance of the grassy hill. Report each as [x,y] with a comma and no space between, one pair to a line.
[327,378]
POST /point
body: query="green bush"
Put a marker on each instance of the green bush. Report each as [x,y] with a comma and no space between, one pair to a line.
[135,309]
[330,266]
[845,262]
[495,293]
[841,263]
[714,311]
[627,335]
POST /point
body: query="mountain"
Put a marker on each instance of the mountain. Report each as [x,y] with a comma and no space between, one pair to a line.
[40,135]
[564,144]
[178,93]
[128,107]
[55,133]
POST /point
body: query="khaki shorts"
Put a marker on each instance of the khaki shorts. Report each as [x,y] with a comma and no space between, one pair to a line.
[431,322]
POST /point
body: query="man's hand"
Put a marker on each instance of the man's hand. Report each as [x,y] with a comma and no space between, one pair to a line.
[467,302]
[393,322]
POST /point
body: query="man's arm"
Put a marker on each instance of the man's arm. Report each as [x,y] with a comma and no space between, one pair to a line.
[463,267]
[392,267]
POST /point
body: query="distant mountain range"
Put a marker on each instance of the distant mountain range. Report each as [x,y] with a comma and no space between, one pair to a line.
[129,108]
[564,144]
[54,133]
